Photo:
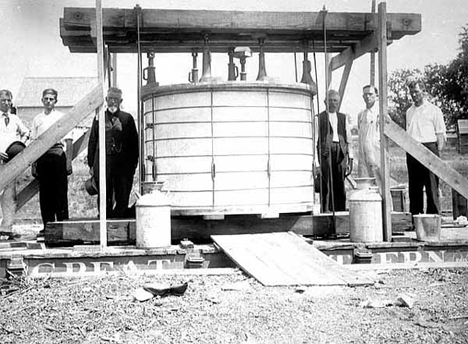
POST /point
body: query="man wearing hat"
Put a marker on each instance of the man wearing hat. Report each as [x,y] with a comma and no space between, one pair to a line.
[121,154]
[12,131]
[53,167]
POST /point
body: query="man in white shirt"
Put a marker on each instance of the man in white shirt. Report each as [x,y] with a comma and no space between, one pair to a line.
[12,130]
[333,153]
[369,136]
[369,140]
[424,123]
[54,166]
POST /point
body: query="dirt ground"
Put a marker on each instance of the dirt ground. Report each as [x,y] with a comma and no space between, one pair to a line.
[235,308]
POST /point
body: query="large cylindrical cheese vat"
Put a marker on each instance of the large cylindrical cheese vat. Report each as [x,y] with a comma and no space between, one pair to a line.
[231,148]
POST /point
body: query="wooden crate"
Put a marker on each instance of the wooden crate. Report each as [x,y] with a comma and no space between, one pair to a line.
[462,134]
[398,199]
[459,205]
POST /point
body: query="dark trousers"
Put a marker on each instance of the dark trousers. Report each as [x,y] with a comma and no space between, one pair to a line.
[119,183]
[53,187]
[332,179]
[420,177]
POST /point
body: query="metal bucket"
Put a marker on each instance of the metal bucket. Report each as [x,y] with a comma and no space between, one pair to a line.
[365,212]
[153,217]
[427,227]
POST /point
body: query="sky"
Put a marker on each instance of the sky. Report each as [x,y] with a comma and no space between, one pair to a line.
[32,47]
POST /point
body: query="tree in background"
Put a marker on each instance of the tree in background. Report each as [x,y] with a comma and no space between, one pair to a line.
[457,79]
[437,78]
[447,86]
[398,94]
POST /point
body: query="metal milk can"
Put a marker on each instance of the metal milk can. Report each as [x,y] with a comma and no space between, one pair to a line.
[365,212]
[153,217]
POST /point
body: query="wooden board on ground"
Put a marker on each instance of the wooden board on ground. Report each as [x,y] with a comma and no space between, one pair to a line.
[285,259]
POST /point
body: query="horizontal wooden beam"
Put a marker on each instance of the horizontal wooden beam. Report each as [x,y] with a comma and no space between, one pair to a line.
[39,146]
[80,18]
[199,230]
[179,29]
[426,157]
[273,45]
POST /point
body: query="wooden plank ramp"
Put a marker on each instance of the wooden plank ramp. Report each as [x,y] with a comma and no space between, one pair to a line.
[284,258]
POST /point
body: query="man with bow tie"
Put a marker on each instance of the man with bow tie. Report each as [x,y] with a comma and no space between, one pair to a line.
[121,154]
[12,130]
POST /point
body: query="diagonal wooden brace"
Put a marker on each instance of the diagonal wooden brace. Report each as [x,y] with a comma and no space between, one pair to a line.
[38,147]
[426,157]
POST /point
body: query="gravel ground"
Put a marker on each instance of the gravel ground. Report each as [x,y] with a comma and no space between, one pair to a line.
[235,308]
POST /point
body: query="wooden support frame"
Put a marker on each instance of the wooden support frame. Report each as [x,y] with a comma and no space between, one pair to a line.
[383,110]
[350,34]
[345,77]
[368,44]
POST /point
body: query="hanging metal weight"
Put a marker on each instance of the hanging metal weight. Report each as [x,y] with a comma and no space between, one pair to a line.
[306,76]
[242,53]
[233,71]
[262,74]
[193,75]
[149,73]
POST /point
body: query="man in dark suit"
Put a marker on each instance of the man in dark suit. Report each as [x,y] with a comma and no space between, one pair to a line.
[121,154]
[333,154]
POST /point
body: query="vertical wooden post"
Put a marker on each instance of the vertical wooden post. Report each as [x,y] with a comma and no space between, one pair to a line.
[114,69]
[140,118]
[102,130]
[328,72]
[372,57]
[386,203]
[107,67]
